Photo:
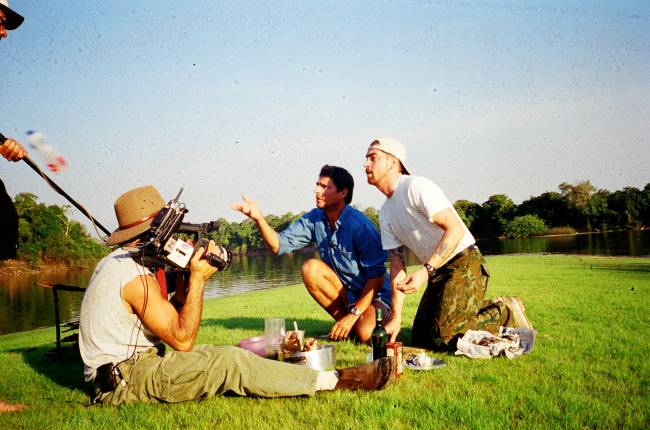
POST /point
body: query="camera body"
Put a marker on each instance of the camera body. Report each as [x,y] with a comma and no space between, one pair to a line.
[162,247]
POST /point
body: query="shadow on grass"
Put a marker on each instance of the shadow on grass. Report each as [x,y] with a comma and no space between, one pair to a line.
[312,327]
[64,368]
[629,267]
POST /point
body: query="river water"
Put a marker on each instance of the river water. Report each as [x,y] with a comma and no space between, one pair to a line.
[25,306]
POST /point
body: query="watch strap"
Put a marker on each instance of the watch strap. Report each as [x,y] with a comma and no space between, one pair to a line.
[354,311]
[430,269]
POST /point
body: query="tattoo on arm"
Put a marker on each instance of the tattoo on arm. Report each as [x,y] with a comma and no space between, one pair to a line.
[399,253]
[444,251]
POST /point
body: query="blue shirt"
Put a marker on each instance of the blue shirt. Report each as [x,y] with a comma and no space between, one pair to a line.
[353,251]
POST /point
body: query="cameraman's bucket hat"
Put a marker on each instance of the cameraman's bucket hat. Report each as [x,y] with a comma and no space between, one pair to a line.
[135,211]
[393,147]
[12,19]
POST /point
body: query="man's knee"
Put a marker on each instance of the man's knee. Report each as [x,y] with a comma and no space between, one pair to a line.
[223,353]
[364,333]
[312,271]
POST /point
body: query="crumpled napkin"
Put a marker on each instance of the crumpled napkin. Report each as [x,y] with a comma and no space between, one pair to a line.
[511,342]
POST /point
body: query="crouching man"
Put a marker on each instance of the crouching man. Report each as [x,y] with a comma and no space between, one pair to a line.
[349,280]
[125,323]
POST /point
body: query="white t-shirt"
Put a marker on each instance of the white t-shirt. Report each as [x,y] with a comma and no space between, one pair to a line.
[108,333]
[406,218]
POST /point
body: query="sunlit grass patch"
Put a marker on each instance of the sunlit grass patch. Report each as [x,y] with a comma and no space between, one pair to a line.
[589,368]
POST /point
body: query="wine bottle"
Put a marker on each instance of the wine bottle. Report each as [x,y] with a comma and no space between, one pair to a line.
[379,337]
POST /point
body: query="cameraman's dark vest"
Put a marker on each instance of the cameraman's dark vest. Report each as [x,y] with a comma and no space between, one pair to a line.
[8,225]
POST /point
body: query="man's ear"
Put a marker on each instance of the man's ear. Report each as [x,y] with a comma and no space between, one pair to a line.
[345,192]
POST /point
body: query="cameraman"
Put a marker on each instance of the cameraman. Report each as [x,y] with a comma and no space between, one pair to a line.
[125,322]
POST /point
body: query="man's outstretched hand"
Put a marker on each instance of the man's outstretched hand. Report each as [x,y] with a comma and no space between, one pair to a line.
[248,207]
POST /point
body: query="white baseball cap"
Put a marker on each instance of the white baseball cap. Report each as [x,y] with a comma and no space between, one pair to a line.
[393,147]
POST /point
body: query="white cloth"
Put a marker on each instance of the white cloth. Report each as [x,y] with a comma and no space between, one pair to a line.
[406,218]
[108,333]
[511,343]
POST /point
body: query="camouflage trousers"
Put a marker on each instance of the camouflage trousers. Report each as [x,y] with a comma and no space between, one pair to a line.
[454,302]
[205,372]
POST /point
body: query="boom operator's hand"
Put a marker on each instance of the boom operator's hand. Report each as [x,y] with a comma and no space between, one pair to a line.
[12,150]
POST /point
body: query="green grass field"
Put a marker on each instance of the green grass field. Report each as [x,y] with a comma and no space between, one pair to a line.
[589,368]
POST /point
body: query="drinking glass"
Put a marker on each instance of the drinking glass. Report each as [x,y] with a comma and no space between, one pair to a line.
[274,330]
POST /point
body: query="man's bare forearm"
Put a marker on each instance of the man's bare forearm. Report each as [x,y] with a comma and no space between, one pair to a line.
[189,315]
[453,234]
[397,259]
[269,235]
[369,292]
[442,252]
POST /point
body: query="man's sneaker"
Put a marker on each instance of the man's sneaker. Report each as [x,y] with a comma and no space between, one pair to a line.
[516,312]
[371,376]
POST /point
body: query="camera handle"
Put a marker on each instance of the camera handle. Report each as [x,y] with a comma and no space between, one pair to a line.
[218,262]
[213,259]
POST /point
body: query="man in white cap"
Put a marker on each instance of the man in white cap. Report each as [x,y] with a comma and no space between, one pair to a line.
[125,323]
[417,215]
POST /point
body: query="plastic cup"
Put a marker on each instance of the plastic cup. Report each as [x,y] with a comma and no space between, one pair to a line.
[274,330]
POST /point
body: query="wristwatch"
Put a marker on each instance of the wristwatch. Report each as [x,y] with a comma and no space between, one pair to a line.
[354,311]
[430,269]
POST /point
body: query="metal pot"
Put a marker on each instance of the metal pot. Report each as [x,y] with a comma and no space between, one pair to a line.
[322,358]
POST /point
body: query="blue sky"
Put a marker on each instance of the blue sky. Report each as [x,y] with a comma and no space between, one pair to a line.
[225,98]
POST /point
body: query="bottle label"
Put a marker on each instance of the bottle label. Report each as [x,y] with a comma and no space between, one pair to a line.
[395,351]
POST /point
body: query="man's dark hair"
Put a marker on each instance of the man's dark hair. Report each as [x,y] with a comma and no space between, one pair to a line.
[342,179]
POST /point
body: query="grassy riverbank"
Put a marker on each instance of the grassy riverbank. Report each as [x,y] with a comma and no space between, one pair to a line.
[589,368]
[21,267]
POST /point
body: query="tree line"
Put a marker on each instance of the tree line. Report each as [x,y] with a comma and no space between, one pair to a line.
[46,233]
[573,208]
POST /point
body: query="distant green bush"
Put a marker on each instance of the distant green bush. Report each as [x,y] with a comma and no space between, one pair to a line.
[525,226]
[46,234]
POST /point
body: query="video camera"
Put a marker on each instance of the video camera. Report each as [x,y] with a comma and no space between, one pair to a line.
[161,247]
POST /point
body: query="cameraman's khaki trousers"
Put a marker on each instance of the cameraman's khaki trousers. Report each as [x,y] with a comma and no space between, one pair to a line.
[205,372]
